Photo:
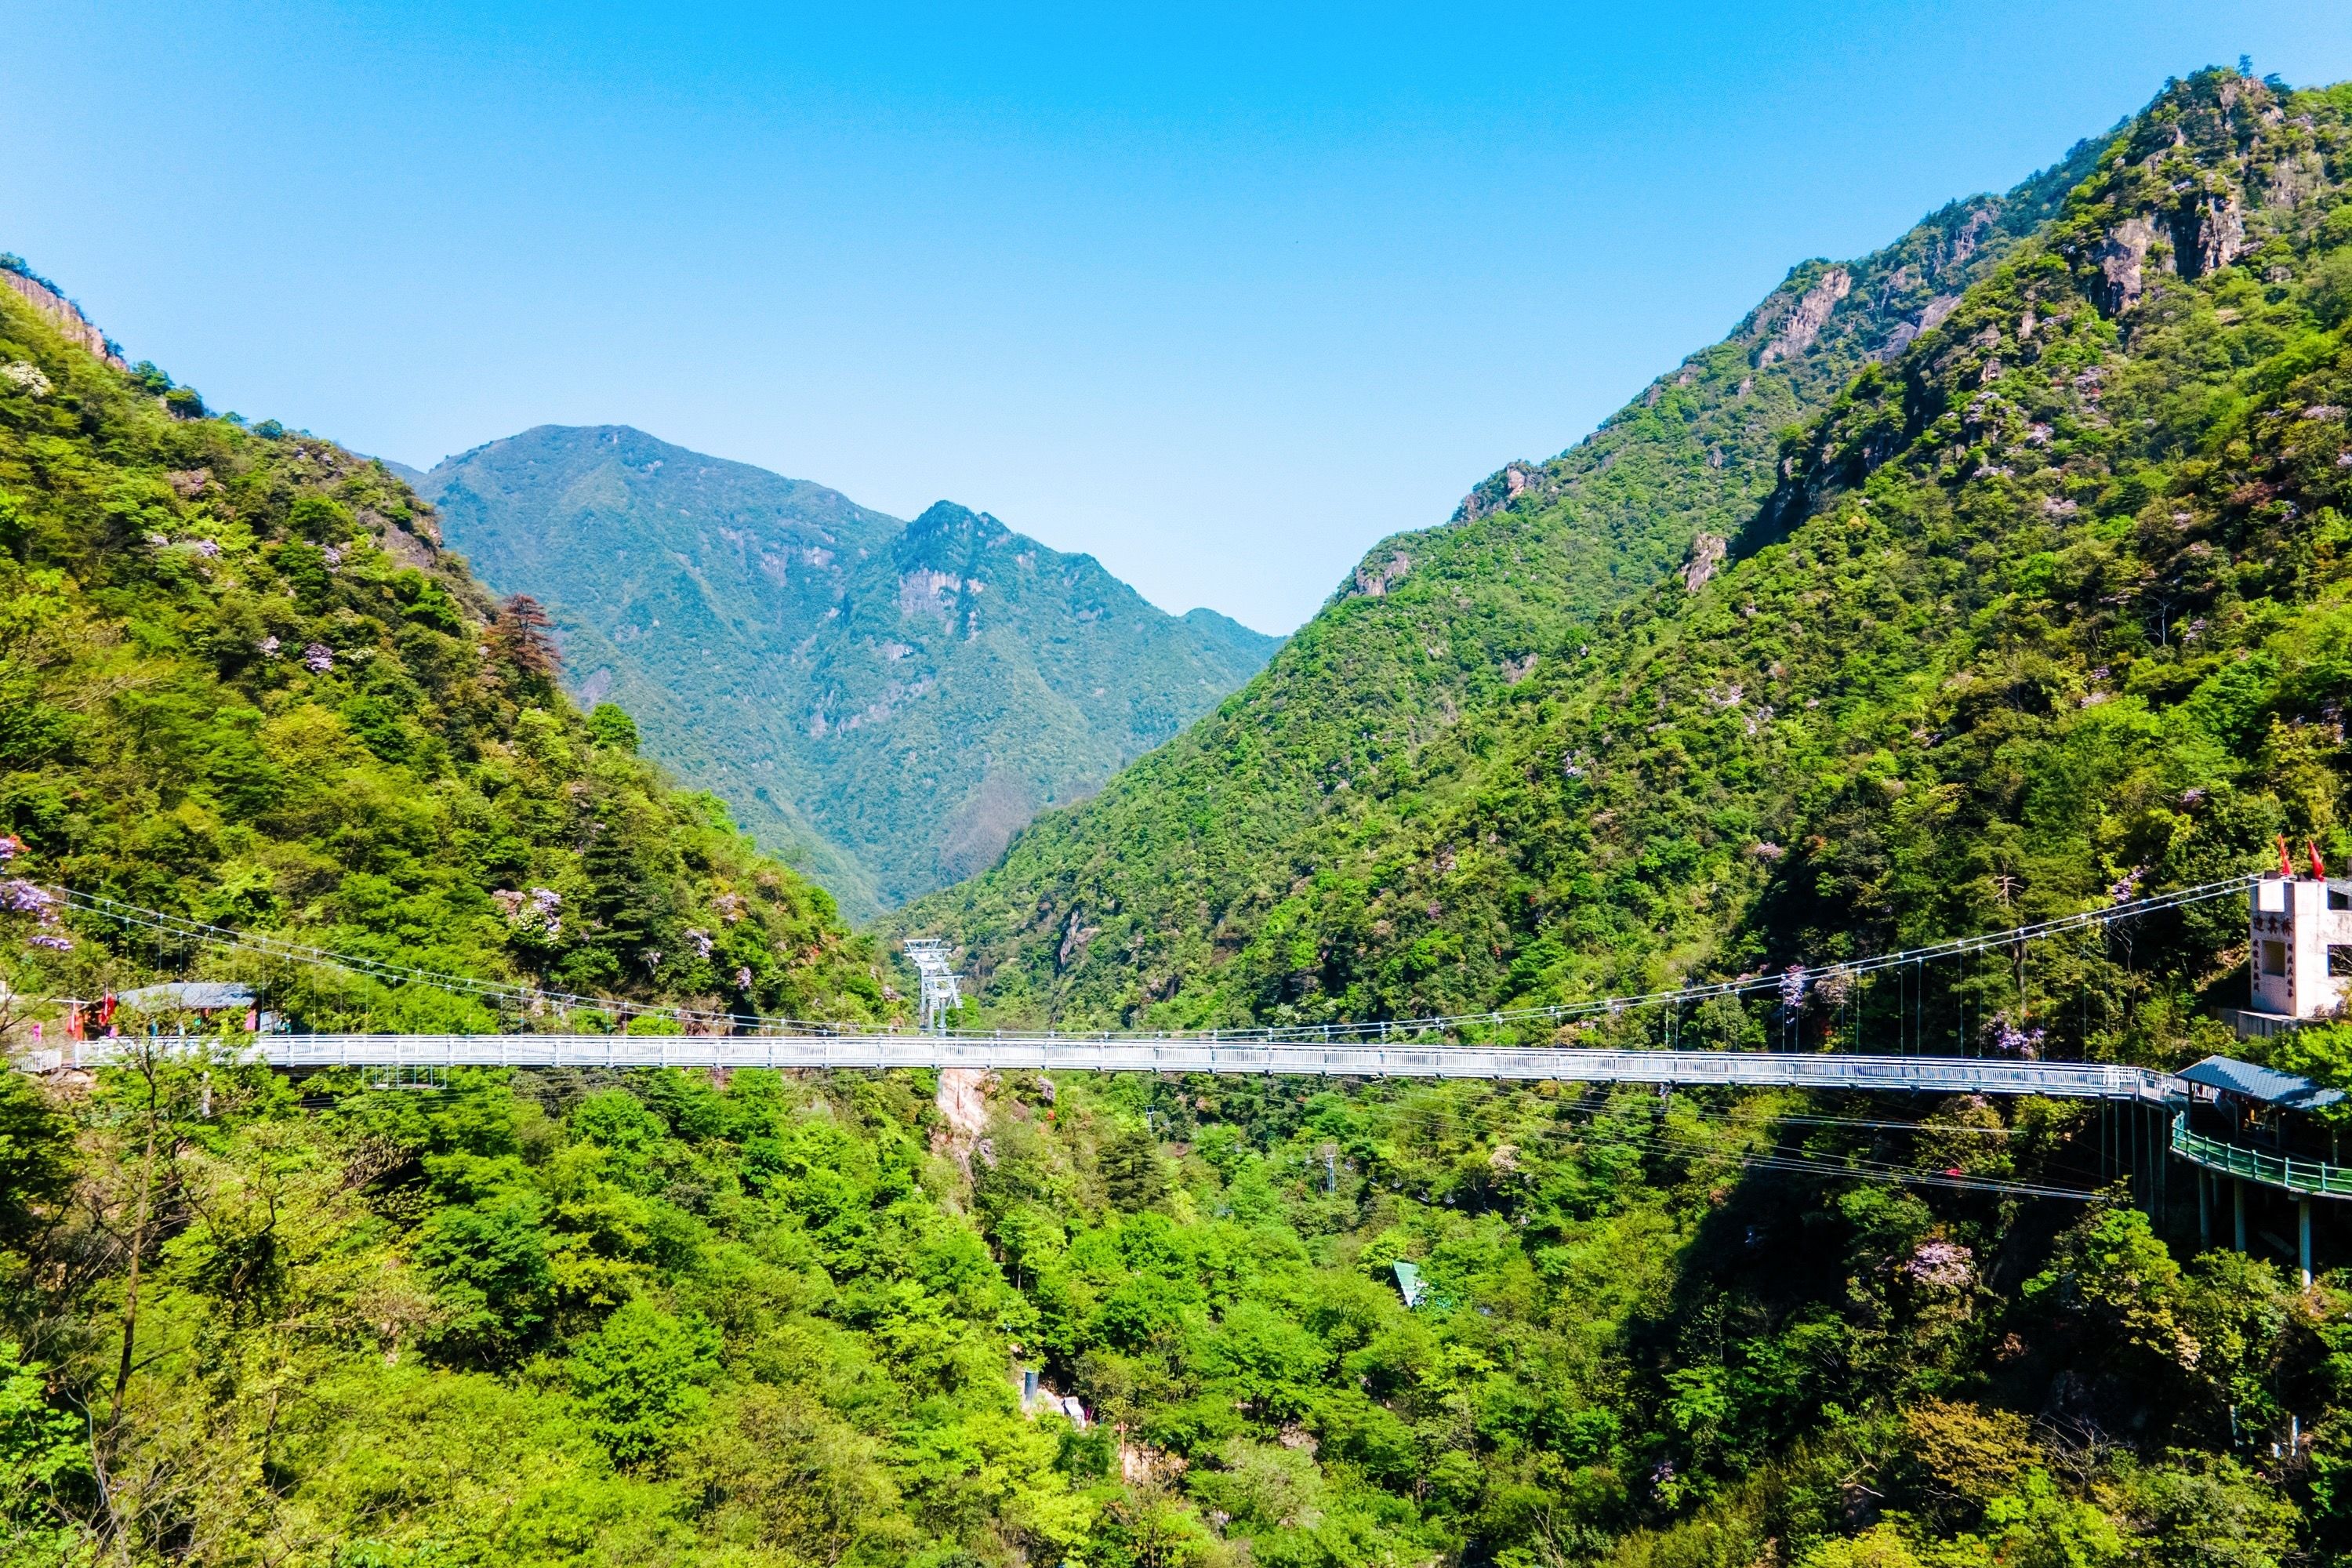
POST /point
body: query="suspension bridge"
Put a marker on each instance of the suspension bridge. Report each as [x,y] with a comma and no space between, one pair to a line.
[2145,1122]
[1064,1053]
[1436,1046]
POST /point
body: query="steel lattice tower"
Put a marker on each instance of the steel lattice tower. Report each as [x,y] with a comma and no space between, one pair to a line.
[940,994]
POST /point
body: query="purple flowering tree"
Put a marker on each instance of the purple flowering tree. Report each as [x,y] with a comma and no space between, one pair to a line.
[32,922]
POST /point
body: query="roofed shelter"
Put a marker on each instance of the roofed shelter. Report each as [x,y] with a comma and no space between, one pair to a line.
[2256,1124]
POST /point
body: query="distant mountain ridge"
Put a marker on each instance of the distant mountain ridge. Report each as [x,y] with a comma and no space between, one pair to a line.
[884,703]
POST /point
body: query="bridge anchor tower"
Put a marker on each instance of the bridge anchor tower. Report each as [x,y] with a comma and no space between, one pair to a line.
[935,967]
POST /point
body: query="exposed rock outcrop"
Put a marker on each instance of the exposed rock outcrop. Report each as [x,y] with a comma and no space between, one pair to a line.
[1076,935]
[2122,262]
[1373,577]
[63,314]
[1970,235]
[1812,312]
[962,1102]
[961,1132]
[2178,189]
[2189,239]
[1706,554]
[2208,234]
[926,591]
[1907,333]
[1938,310]
[1499,489]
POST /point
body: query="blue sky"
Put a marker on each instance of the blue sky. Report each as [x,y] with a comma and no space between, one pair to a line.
[1221,296]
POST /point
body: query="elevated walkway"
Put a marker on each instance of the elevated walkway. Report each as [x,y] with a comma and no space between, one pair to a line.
[2305,1178]
[1063,1053]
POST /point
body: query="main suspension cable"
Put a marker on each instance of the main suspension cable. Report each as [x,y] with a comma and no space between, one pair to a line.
[1796,979]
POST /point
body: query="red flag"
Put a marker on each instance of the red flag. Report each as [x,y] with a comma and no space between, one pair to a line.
[2287,859]
[2318,866]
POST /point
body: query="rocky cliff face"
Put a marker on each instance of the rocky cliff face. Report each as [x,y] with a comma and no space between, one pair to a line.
[2205,180]
[60,313]
[2175,197]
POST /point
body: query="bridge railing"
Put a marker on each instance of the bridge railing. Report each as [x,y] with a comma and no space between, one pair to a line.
[2316,1177]
[1916,1075]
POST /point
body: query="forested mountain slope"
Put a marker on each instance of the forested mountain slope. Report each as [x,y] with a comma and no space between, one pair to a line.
[2051,603]
[581,1321]
[243,685]
[658,1318]
[1144,893]
[884,703]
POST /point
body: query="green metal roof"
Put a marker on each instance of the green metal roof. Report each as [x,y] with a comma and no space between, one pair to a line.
[2265,1085]
[1407,1280]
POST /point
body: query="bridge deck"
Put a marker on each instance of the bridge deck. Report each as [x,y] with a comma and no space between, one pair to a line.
[1919,1074]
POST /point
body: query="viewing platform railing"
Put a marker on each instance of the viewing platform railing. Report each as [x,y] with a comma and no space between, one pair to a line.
[2314,1177]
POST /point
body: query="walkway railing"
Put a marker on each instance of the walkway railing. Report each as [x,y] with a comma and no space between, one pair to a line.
[1761,1070]
[2313,1176]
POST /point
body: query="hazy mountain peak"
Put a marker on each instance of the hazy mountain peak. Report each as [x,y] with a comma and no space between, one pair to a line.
[884,702]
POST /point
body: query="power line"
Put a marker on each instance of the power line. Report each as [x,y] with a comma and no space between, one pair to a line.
[1776,1157]
[264,945]
[519,995]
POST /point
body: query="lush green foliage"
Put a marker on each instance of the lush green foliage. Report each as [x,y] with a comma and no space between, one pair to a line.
[572,1319]
[1135,904]
[2043,602]
[885,702]
[2047,605]
[241,684]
